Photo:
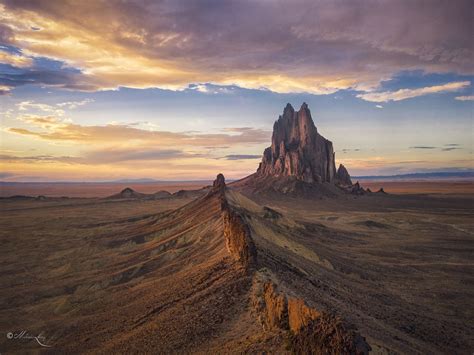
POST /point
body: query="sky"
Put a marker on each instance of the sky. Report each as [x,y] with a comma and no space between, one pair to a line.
[183,90]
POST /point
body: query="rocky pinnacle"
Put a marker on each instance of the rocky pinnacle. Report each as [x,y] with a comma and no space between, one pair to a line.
[298,149]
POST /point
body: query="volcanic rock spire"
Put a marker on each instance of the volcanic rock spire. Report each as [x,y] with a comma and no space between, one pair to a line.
[298,149]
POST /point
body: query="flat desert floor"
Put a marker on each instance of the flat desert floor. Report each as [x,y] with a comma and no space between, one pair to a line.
[399,267]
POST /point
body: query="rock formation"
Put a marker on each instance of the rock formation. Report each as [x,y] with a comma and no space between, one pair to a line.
[237,238]
[309,331]
[237,235]
[298,149]
[127,193]
[343,176]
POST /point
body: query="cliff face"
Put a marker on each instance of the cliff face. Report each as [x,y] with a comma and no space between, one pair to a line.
[298,149]
[237,238]
[236,232]
[308,330]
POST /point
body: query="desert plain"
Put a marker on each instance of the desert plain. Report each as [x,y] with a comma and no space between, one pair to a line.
[132,274]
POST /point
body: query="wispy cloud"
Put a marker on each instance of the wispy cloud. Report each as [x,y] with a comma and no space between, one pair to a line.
[449,149]
[422,147]
[465,98]
[346,150]
[404,94]
[58,129]
[445,148]
[242,156]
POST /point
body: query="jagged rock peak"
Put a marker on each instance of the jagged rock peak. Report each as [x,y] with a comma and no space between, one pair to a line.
[219,182]
[343,176]
[298,149]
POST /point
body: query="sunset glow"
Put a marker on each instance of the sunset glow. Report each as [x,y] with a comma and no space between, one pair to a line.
[179,91]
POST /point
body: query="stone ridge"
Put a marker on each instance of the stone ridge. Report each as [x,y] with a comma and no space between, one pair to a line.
[298,149]
[237,234]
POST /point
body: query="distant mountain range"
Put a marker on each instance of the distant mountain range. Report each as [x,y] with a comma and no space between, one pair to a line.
[432,175]
[412,176]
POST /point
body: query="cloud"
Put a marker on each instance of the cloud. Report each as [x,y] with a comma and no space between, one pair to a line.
[14,59]
[317,47]
[241,156]
[58,129]
[346,150]
[105,156]
[53,109]
[31,105]
[74,104]
[113,155]
[465,98]
[11,78]
[404,94]
[446,148]
[36,158]
[450,149]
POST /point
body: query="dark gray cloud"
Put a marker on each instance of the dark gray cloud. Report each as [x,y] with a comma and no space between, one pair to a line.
[450,149]
[346,150]
[446,148]
[40,76]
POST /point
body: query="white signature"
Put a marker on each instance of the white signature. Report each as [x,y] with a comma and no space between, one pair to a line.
[40,339]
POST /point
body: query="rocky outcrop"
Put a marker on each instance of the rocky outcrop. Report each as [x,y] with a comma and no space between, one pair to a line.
[300,315]
[308,330]
[219,182]
[238,239]
[127,193]
[298,150]
[342,176]
[356,189]
[161,194]
[237,234]
[275,308]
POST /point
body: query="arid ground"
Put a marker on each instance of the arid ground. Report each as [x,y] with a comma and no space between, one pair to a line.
[131,275]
